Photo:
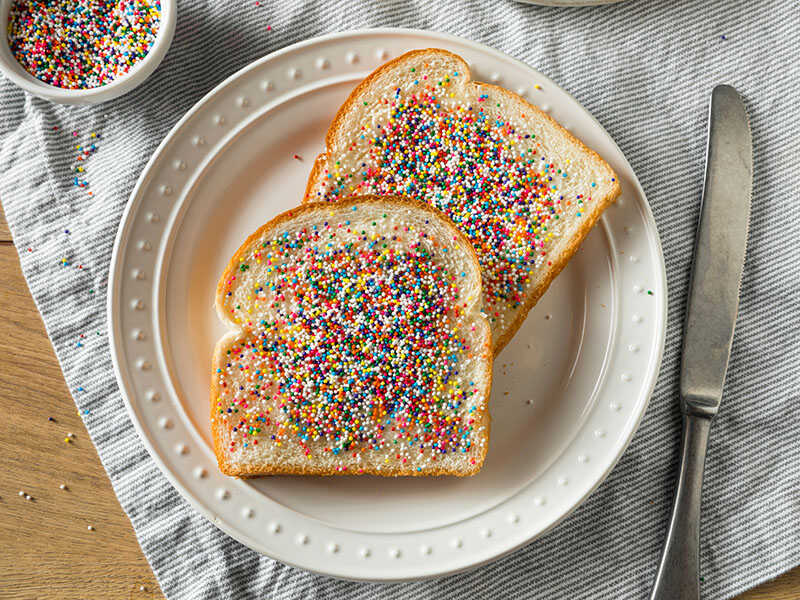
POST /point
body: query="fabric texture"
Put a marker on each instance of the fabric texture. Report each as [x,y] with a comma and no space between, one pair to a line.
[645,69]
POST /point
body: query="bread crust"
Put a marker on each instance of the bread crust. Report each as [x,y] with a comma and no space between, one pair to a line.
[558,262]
[254,470]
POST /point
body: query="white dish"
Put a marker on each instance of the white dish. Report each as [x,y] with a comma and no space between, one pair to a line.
[569,390]
[137,74]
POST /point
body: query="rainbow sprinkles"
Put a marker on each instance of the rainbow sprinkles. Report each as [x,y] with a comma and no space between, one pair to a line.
[357,348]
[469,150]
[81,44]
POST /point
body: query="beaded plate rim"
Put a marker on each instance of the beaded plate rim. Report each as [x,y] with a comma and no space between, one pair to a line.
[135,292]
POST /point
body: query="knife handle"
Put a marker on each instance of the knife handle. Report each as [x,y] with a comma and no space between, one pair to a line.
[679,573]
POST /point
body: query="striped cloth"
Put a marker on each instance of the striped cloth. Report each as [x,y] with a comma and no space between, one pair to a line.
[645,69]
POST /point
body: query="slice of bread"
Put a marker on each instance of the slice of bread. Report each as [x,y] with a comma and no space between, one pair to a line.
[523,189]
[359,345]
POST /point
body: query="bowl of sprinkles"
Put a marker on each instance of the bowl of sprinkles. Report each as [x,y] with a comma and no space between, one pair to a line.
[84,51]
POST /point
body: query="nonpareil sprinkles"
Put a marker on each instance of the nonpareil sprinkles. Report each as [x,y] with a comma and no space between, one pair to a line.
[361,350]
[82,153]
[81,44]
[466,159]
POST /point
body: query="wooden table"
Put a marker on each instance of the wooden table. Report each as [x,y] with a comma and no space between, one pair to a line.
[47,550]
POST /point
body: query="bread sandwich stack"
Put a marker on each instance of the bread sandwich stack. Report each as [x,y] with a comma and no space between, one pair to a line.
[365,321]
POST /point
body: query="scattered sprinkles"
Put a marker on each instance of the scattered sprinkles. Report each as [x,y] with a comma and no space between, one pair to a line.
[81,44]
[362,348]
[488,174]
[82,153]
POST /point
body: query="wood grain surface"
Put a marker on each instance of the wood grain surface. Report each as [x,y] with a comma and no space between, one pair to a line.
[5,234]
[47,550]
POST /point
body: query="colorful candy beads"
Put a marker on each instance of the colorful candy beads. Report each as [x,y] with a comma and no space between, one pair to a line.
[362,347]
[81,44]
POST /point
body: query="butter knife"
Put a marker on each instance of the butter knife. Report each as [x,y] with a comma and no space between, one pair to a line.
[708,328]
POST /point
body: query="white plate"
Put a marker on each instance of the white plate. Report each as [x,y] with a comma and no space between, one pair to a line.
[569,390]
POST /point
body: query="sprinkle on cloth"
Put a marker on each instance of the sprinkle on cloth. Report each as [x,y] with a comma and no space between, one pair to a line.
[485,173]
[82,153]
[362,350]
[81,44]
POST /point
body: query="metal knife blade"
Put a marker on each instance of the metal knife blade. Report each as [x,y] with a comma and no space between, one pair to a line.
[708,331]
[718,255]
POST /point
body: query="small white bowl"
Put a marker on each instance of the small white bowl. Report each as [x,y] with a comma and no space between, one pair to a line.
[137,74]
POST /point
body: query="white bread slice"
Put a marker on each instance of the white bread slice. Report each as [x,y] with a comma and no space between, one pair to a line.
[359,319]
[523,189]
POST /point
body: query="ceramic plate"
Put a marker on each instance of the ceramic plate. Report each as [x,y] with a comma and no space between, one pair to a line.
[568,392]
